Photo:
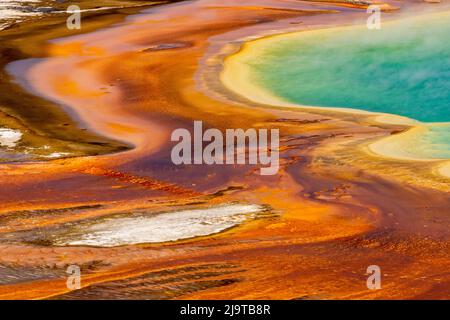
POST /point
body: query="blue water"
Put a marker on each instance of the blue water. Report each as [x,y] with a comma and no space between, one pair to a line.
[402,69]
[437,141]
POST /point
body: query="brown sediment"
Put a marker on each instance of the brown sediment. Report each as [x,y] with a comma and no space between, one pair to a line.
[336,210]
[46,127]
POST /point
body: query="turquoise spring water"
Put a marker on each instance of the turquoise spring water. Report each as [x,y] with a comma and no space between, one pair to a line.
[437,141]
[402,69]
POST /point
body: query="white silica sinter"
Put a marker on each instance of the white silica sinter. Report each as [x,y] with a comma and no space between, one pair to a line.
[9,137]
[163,227]
[13,10]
